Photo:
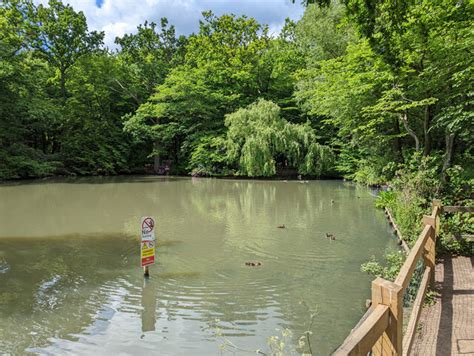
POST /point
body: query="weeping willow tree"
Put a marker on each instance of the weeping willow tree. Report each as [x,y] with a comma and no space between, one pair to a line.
[258,137]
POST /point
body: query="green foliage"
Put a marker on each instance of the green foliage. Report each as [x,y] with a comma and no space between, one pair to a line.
[339,90]
[147,57]
[457,190]
[61,37]
[60,102]
[386,199]
[459,185]
[209,157]
[401,86]
[257,136]
[431,297]
[453,227]
[369,172]
[20,161]
[389,269]
[323,32]
[25,110]
[228,64]
[281,345]
[413,188]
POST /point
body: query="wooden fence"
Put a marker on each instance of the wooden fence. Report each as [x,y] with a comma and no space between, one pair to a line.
[380,331]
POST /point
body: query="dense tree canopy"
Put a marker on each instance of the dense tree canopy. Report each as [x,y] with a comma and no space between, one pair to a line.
[228,64]
[355,88]
[258,137]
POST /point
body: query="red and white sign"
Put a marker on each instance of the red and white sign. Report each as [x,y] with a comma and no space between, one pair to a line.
[147,245]
[148,253]
[148,229]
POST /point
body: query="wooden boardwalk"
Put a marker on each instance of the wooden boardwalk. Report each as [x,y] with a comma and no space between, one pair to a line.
[447,327]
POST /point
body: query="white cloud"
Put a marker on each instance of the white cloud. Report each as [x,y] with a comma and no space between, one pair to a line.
[117,17]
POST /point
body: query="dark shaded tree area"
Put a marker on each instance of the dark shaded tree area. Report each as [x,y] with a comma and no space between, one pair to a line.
[63,94]
[362,89]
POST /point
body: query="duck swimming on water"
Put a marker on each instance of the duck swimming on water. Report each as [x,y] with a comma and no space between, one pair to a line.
[253,263]
[281,226]
[330,236]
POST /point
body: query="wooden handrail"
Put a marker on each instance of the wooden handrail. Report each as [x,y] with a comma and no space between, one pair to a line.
[406,272]
[381,331]
[360,341]
[458,209]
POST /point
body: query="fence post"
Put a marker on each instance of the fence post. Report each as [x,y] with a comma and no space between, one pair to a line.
[437,203]
[390,294]
[429,255]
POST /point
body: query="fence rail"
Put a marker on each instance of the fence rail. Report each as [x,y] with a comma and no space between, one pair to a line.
[381,330]
[457,209]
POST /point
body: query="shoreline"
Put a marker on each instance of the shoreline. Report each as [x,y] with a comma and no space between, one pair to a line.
[149,176]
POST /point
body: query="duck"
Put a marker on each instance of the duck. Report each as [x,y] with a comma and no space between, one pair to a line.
[253,263]
[281,226]
[330,236]
[332,201]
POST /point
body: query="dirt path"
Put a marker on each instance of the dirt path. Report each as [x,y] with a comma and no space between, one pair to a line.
[447,327]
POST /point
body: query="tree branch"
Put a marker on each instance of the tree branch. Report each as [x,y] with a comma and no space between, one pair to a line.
[404,119]
[128,91]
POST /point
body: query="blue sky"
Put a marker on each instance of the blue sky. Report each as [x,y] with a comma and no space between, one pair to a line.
[117,17]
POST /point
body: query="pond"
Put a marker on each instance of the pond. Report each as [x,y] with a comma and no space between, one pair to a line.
[71,281]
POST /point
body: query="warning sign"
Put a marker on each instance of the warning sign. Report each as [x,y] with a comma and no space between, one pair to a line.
[147,243]
[148,253]
[148,229]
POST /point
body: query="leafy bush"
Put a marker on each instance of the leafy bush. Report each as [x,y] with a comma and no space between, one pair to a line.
[209,157]
[388,269]
[386,199]
[21,161]
[415,185]
[372,171]
[453,227]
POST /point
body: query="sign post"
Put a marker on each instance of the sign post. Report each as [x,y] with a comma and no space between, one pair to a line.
[147,243]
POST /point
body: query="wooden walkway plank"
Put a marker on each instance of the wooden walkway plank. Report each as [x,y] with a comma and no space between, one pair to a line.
[447,327]
[416,312]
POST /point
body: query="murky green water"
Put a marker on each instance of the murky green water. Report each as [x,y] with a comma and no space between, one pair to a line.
[70,281]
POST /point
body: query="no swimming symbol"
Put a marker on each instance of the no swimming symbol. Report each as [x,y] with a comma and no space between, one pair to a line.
[148,225]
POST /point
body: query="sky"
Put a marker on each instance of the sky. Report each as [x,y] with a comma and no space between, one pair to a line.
[117,17]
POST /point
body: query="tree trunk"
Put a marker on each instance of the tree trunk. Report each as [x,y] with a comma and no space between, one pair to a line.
[448,155]
[44,142]
[156,159]
[156,156]
[56,146]
[426,128]
[398,143]
[412,133]
[62,83]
